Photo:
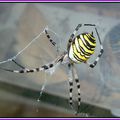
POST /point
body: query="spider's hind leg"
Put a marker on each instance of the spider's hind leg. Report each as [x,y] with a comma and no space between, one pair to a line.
[78,88]
[70,78]
[73,75]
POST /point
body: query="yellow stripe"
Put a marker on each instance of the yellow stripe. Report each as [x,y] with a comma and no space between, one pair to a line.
[89,41]
[89,35]
[77,59]
[78,54]
[82,45]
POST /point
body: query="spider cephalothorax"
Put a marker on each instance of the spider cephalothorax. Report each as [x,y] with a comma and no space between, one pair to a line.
[79,49]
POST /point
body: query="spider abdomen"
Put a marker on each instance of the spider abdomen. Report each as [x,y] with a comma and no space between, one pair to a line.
[82,47]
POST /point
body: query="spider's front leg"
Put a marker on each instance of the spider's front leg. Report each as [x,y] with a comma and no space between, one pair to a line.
[73,35]
[92,65]
[76,29]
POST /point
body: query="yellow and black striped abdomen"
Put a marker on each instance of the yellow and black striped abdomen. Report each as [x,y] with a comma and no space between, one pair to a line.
[82,47]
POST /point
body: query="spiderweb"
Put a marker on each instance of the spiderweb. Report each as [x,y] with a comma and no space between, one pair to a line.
[32,41]
[58,49]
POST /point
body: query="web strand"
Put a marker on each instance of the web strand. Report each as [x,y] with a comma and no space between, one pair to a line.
[42,89]
[33,40]
[14,57]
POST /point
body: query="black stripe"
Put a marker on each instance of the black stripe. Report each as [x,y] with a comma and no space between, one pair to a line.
[31,70]
[51,40]
[78,59]
[77,80]
[80,52]
[54,43]
[46,32]
[48,36]
[71,83]
[101,50]
[45,67]
[21,71]
[70,40]
[92,65]
[78,36]
[79,99]
[70,98]
[70,103]
[88,44]
[90,38]
[89,48]
[37,69]
[95,62]
[77,28]
[99,55]
[72,36]
[51,65]
[61,59]
[71,90]
[84,52]
[78,86]
[69,65]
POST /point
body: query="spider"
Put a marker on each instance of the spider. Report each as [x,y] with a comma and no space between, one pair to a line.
[79,49]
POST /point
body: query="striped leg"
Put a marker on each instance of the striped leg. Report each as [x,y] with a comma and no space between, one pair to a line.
[101,51]
[58,60]
[70,84]
[76,29]
[74,33]
[26,70]
[49,38]
[89,25]
[78,87]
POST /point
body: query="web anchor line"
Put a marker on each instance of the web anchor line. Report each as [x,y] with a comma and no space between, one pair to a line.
[33,40]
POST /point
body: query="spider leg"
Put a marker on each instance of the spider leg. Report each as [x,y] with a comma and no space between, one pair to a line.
[18,64]
[5,69]
[49,38]
[52,41]
[26,70]
[58,60]
[74,33]
[78,87]
[101,51]
[89,25]
[76,29]
[70,78]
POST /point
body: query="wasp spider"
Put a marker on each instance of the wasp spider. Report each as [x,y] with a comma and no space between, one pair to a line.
[79,49]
